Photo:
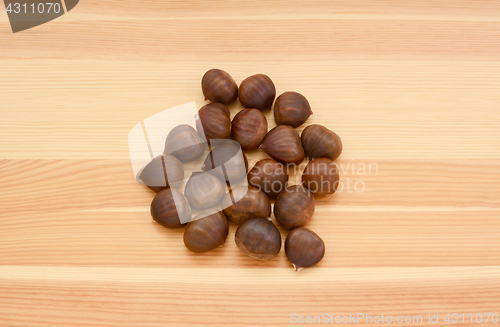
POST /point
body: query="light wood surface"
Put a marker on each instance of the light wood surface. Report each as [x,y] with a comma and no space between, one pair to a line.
[412,87]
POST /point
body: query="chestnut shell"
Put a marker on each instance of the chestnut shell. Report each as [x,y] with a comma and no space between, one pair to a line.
[321,176]
[291,108]
[184,143]
[269,176]
[252,203]
[218,86]
[234,160]
[304,248]
[258,238]
[318,141]
[257,91]
[214,122]
[169,207]
[206,233]
[282,143]
[294,207]
[204,190]
[249,127]
[163,171]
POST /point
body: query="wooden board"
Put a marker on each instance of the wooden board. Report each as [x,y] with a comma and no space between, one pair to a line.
[412,87]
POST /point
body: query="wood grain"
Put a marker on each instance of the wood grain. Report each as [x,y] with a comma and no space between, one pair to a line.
[152,297]
[412,87]
[383,109]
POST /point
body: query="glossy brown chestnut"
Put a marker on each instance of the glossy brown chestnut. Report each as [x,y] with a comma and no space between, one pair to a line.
[242,204]
[184,143]
[258,238]
[204,190]
[318,141]
[206,231]
[304,248]
[282,143]
[161,172]
[218,86]
[291,108]
[170,208]
[257,91]
[214,122]
[249,127]
[321,176]
[269,176]
[234,161]
[294,207]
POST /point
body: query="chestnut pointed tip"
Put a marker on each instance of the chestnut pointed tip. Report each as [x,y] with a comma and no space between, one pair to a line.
[297,268]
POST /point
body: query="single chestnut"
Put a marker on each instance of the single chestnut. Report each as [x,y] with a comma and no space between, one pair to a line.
[184,143]
[204,190]
[318,141]
[249,127]
[218,86]
[161,172]
[321,176]
[206,231]
[291,108]
[243,203]
[269,176]
[257,91]
[282,143]
[304,248]
[227,162]
[170,208]
[294,207]
[258,238]
[214,122]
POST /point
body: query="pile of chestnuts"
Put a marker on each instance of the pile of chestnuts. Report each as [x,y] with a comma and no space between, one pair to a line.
[267,190]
